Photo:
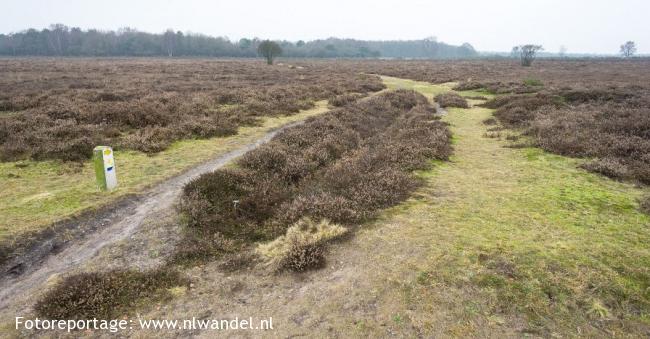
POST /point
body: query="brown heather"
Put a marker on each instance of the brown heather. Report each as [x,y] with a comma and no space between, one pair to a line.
[342,166]
[451,99]
[61,109]
[106,295]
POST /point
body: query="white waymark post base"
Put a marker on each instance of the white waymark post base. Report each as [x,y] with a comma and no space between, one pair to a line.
[105,168]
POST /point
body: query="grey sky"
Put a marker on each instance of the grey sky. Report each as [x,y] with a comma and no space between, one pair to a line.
[595,26]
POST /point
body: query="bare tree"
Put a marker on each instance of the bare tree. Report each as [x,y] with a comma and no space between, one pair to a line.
[562,52]
[628,49]
[269,50]
[57,37]
[527,53]
[169,38]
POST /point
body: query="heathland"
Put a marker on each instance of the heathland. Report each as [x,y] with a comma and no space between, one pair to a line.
[516,205]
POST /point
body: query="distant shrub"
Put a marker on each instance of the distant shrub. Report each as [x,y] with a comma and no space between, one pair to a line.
[451,99]
[105,295]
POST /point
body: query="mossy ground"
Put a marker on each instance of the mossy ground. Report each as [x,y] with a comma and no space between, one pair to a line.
[526,239]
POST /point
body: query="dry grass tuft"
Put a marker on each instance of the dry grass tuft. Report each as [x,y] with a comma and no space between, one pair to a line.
[302,246]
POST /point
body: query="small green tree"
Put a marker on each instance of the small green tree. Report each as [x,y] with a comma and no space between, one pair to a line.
[269,49]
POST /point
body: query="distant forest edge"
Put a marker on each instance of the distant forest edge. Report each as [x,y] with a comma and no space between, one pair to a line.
[60,40]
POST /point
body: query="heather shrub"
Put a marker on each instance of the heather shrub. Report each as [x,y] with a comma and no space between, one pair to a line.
[149,105]
[518,110]
[476,97]
[490,121]
[342,166]
[148,139]
[405,99]
[381,187]
[232,202]
[105,295]
[451,99]
[468,86]
[645,204]
[301,257]
[320,205]
[581,96]
[533,82]
[610,124]
[344,99]
[610,167]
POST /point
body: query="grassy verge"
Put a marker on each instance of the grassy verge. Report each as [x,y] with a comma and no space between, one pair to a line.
[525,240]
[36,194]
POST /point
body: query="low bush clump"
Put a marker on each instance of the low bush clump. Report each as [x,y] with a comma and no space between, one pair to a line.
[519,110]
[302,247]
[468,86]
[490,122]
[476,97]
[345,99]
[342,166]
[451,99]
[533,82]
[106,295]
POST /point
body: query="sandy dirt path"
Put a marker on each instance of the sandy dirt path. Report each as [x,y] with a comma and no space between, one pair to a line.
[121,223]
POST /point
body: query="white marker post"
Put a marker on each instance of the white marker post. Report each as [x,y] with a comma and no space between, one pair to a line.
[105,168]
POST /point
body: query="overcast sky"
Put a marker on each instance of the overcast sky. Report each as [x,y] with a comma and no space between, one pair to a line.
[592,26]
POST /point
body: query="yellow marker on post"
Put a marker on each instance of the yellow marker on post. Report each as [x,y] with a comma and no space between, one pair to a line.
[105,168]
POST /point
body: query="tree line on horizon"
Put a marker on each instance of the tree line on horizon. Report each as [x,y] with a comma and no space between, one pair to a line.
[60,40]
